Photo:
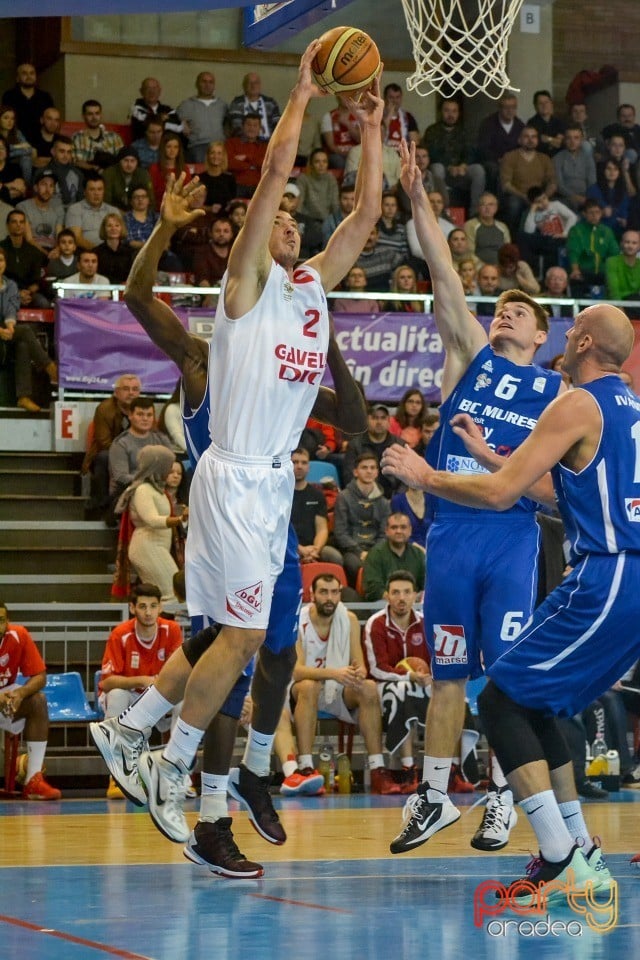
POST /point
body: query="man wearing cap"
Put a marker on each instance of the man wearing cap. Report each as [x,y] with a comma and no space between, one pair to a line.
[310,230]
[44,212]
[125,176]
[377,438]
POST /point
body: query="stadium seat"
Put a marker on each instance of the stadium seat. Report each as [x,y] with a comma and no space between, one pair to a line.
[66,699]
[311,570]
[474,689]
[319,470]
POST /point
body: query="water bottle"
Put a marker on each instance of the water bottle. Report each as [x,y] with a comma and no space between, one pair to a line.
[613,763]
[598,765]
[327,766]
[344,773]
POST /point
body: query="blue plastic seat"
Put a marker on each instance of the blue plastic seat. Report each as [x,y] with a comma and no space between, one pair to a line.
[66,699]
[474,689]
[320,470]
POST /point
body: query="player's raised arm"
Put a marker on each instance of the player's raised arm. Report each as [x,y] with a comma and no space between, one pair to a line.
[346,243]
[343,407]
[462,335]
[157,318]
[250,259]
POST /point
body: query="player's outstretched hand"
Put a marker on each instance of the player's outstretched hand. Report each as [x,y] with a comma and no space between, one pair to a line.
[471,435]
[405,464]
[306,85]
[367,106]
[180,202]
[410,175]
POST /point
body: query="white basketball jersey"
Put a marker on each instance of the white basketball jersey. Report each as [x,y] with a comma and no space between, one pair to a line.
[265,368]
[315,648]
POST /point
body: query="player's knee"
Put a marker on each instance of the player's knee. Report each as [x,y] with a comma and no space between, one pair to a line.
[369,692]
[308,691]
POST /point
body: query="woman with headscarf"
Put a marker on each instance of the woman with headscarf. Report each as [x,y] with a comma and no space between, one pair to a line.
[151,515]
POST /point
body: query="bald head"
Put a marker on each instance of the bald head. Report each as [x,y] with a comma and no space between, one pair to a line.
[598,343]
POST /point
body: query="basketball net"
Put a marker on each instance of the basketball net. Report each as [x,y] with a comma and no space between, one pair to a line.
[460,46]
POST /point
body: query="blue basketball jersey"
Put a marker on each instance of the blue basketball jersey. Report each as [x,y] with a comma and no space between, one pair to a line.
[196,426]
[600,506]
[505,399]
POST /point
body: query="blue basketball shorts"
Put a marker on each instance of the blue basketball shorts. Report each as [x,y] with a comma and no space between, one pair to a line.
[482,577]
[580,640]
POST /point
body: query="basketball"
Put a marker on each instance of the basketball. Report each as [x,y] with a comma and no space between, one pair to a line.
[348,60]
[413,665]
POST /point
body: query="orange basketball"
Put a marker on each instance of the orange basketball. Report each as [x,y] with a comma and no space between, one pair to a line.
[347,60]
[413,665]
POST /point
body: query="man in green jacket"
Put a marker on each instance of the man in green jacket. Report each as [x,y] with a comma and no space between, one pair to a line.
[394,553]
[589,244]
[623,270]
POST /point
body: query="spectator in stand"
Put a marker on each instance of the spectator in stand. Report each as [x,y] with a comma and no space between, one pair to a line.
[498,134]
[485,234]
[246,155]
[94,147]
[451,157]
[575,170]
[429,179]
[378,262]
[88,276]
[404,280]
[5,210]
[318,188]
[488,280]
[408,418]
[360,513]
[514,271]
[125,448]
[63,263]
[44,212]
[395,552]
[418,262]
[520,170]
[467,270]
[12,184]
[390,165]
[545,229]
[148,145]
[69,178]
[237,211]
[23,706]
[355,282]
[18,340]
[170,422]
[623,271]
[412,501]
[346,203]
[309,515]
[252,100]
[28,100]
[550,128]
[140,219]
[115,256]
[391,231]
[391,635]
[589,244]
[329,676]
[121,179]
[110,419]
[340,131]
[50,123]
[376,440]
[610,190]
[219,183]
[397,124]
[171,160]
[151,514]
[309,228]
[210,261]
[134,655]
[148,105]
[615,150]
[24,261]
[21,151]
[556,283]
[626,127]
[203,117]
[459,247]
[85,217]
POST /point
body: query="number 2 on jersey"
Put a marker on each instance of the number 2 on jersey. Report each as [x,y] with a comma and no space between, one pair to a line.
[313,321]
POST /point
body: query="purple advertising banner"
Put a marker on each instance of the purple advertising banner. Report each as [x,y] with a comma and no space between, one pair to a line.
[387,352]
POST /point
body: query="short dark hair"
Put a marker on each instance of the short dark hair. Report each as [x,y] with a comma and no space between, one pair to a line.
[142,403]
[326,576]
[401,575]
[392,88]
[541,93]
[16,213]
[534,192]
[366,455]
[62,138]
[144,590]
[93,175]
[251,116]
[91,103]
[300,450]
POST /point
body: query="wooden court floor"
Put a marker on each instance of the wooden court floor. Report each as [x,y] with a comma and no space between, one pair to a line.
[85,879]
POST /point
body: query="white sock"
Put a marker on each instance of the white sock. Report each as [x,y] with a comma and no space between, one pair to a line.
[574,822]
[497,776]
[36,750]
[376,760]
[213,797]
[289,767]
[407,763]
[435,770]
[305,760]
[257,753]
[150,707]
[543,813]
[183,744]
